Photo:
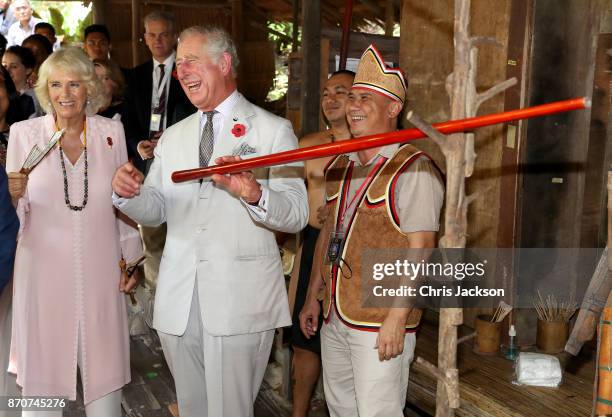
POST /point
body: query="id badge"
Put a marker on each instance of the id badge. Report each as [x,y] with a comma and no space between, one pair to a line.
[155,122]
[334,249]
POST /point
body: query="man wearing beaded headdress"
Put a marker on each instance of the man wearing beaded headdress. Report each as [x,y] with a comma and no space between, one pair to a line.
[381,198]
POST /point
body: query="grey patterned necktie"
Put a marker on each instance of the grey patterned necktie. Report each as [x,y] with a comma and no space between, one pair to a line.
[207,140]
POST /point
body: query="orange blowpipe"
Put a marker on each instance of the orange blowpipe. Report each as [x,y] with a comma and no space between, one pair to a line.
[374,141]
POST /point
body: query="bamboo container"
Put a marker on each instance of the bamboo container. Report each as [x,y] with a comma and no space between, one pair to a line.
[551,336]
[488,336]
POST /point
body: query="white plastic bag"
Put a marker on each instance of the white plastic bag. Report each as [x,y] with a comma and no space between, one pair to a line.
[538,369]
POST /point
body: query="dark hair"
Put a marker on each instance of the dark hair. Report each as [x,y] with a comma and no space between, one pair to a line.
[344,71]
[20,106]
[44,25]
[24,54]
[42,40]
[96,28]
[3,43]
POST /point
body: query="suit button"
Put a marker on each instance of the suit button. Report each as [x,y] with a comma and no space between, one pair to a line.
[200,229]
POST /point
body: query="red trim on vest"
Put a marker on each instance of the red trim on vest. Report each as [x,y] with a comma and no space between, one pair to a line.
[391,192]
[343,196]
[331,161]
[344,193]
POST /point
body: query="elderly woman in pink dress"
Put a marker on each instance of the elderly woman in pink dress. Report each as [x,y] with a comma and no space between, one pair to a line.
[69,312]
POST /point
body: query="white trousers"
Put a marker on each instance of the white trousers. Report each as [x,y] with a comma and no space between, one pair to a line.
[216,376]
[356,382]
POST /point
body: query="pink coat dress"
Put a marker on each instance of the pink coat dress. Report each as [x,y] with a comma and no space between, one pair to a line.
[66,298]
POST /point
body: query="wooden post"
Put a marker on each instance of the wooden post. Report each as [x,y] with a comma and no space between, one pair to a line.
[97,7]
[135,30]
[458,150]
[311,55]
[296,25]
[238,34]
[389,18]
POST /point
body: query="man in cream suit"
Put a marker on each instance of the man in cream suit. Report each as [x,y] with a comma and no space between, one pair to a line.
[221,291]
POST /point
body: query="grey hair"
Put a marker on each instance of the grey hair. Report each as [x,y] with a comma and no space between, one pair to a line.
[160,16]
[218,42]
[72,61]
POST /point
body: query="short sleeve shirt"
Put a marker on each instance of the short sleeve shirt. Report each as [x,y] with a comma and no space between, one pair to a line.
[418,197]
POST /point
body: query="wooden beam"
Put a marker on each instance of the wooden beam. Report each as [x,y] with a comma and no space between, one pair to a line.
[237,21]
[374,7]
[98,12]
[311,55]
[389,18]
[237,33]
[296,24]
[253,8]
[135,30]
[178,3]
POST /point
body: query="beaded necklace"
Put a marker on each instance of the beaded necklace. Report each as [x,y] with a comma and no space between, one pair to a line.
[85,181]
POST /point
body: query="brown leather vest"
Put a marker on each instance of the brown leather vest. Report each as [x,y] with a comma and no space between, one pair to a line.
[375,225]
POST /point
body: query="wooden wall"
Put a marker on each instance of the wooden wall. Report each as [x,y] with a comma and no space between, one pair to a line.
[426,54]
[563,159]
[256,53]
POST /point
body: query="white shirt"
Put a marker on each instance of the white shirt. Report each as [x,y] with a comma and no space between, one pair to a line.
[16,34]
[165,82]
[224,110]
[7,18]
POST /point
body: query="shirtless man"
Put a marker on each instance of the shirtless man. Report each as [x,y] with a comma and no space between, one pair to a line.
[307,352]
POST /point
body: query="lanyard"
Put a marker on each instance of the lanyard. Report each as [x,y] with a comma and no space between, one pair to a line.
[360,191]
[159,86]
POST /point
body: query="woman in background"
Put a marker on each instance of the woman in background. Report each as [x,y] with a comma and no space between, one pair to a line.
[13,108]
[114,87]
[21,63]
[67,279]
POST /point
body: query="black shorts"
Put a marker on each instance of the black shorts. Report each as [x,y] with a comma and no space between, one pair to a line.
[297,337]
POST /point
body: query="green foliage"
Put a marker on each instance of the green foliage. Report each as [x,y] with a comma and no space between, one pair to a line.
[283,45]
[57,20]
[82,24]
[69,18]
[283,49]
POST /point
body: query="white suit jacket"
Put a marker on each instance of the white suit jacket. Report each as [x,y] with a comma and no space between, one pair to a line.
[215,237]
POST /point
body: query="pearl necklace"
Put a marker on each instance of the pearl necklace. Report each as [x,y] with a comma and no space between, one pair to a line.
[85,181]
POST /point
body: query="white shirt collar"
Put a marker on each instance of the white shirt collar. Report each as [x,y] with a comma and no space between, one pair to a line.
[226,106]
[168,62]
[387,151]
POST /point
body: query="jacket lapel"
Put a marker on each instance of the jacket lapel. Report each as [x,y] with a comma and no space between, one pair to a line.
[173,94]
[237,129]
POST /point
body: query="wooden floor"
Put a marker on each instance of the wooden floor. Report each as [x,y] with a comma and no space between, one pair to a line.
[152,387]
[486,388]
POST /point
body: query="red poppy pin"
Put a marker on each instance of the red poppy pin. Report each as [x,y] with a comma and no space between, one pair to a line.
[109,140]
[175,74]
[238,130]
